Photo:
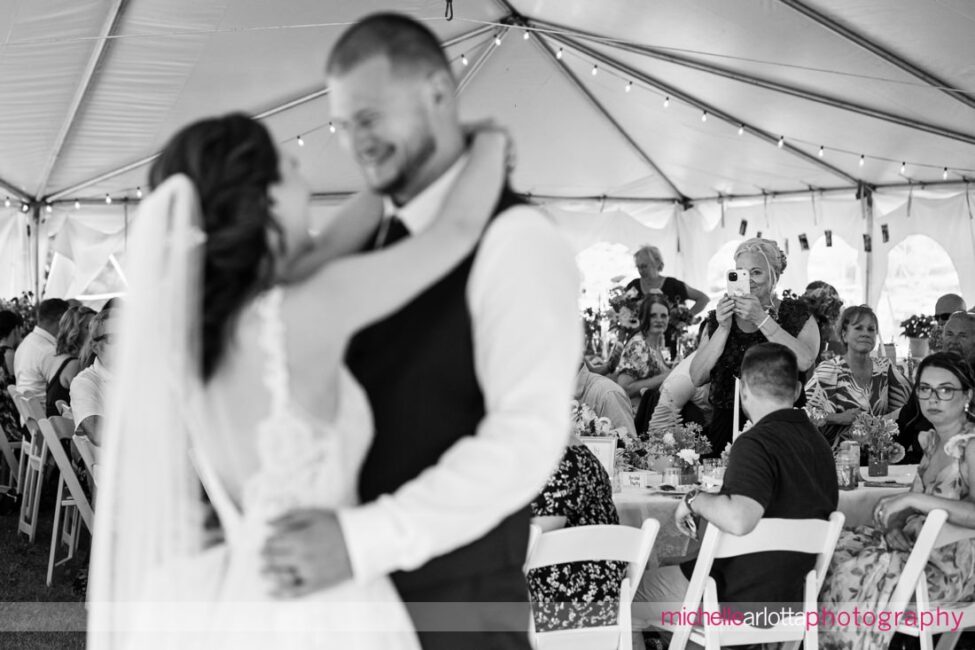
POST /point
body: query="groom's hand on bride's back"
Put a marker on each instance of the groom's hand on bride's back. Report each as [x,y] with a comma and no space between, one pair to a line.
[308,544]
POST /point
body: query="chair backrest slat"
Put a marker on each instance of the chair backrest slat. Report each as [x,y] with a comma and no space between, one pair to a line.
[54,429]
[797,535]
[621,544]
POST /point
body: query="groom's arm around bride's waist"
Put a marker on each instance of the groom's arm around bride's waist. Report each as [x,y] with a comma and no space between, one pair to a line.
[522,296]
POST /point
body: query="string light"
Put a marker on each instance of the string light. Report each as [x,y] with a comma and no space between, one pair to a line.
[944,174]
[629,86]
[108,199]
[463,59]
[497,39]
[903,168]
[24,207]
[77,205]
[595,69]
[48,208]
[861,160]
[527,34]
[301,142]
[781,141]
[741,129]
[6,202]
[138,190]
[704,116]
[331,127]
[822,151]
[666,101]
[558,55]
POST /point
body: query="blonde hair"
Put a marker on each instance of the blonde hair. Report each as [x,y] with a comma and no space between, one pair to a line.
[656,257]
[774,258]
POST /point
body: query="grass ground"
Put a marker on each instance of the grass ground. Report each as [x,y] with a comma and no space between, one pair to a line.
[32,615]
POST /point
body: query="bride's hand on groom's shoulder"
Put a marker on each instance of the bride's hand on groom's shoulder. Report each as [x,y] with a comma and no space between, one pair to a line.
[305,552]
[489,132]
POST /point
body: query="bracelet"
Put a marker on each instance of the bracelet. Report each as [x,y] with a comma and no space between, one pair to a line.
[764,320]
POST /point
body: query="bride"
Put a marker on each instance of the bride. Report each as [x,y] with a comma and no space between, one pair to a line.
[231,376]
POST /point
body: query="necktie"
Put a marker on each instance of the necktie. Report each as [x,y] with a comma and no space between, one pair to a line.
[395,230]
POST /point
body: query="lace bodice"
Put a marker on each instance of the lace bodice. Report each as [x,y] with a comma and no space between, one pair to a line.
[302,460]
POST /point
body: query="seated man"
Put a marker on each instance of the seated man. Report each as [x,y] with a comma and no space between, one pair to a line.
[780,468]
[605,397]
[959,337]
[32,360]
[89,386]
[946,305]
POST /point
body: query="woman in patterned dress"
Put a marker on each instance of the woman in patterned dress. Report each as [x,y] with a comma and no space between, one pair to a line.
[578,594]
[642,365]
[856,383]
[868,561]
[11,329]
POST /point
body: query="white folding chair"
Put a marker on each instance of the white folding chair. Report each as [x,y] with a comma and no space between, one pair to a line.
[72,505]
[911,592]
[9,464]
[63,408]
[813,536]
[595,543]
[34,449]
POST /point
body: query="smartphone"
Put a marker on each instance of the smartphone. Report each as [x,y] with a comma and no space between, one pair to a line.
[738,282]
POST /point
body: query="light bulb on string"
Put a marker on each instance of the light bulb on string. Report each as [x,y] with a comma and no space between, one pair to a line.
[628,87]
[822,151]
[944,174]
[138,192]
[666,101]
[6,202]
[741,129]
[526,35]
[25,207]
[595,69]
[903,168]
[77,205]
[301,141]
[108,199]
[862,160]
[331,127]
[48,208]
[497,39]
[558,55]
[781,141]
[704,116]
[463,59]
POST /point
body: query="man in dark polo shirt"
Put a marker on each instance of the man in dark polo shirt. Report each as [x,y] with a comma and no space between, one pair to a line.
[781,468]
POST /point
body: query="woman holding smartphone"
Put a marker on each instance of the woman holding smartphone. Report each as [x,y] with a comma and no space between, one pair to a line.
[743,319]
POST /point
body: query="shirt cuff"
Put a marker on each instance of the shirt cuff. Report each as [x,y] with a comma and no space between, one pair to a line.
[371,536]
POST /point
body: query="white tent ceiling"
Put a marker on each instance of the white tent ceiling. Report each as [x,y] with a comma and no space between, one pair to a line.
[91,88]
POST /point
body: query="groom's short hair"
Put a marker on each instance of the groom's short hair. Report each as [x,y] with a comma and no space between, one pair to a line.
[407,44]
[772,370]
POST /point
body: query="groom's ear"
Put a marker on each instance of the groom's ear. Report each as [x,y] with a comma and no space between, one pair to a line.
[442,87]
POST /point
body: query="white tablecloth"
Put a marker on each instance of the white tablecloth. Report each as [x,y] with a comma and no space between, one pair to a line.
[636,505]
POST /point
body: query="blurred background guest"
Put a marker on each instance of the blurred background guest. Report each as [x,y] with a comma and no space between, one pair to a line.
[958,337]
[679,400]
[626,326]
[857,382]
[11,330]
[642,364]
[739,322]
[577,594]
[946,305]
[72,332]
[89,386]
[606,398]
[32,360]
[825,305]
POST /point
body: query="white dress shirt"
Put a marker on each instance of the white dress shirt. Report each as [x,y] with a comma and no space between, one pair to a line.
[522,294]
[88,392]
[32,362]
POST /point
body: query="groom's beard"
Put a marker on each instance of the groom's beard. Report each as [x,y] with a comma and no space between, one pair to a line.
[412,165]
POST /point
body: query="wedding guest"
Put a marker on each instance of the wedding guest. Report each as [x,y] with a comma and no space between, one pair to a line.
[72,332]
[642,365]
[946,305]
[959,337]
[577,594]
[740,322]
[33,357]
[90,385]
[857,382]
[11,325]
[680,400]
[869,559]
[606,398]
[649,263]
[825,305]
[626,327]
[780,468]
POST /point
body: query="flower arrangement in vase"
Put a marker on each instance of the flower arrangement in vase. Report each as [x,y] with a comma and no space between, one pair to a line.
[918,329]
[679,445]
[585,422]
[877,434]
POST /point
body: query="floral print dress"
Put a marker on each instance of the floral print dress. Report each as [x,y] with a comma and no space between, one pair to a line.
[9,418]
[864,571]
[578,594]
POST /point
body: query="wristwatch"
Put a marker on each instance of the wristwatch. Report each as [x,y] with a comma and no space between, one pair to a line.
[689,499]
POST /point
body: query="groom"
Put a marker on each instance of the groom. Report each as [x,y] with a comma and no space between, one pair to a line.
[469,384]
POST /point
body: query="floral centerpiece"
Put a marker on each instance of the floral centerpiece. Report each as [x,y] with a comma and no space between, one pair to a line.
[917,326]
[585,422]
[817,415]
[877,434]
[680,445]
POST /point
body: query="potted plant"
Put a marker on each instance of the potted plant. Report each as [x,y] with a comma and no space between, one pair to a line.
[877,434]
[917,329]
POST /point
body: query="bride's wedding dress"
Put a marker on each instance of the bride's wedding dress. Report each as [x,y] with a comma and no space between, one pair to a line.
[301,462]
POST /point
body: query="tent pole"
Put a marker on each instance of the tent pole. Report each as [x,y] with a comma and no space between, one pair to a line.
[36,218]
[767,84]
[866,207]
[885,54]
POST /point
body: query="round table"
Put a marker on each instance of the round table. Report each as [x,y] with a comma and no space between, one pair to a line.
[671,547]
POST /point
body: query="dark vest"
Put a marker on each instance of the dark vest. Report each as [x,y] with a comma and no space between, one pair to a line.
[417,367]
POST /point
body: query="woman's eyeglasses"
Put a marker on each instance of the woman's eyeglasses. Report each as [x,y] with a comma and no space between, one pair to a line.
[944,393]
